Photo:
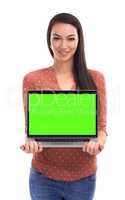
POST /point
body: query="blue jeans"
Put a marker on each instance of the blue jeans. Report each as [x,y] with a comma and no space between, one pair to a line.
[43,188]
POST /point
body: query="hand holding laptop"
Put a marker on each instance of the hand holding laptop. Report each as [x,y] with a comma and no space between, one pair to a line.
[31,146]
[95,147]
[92,147]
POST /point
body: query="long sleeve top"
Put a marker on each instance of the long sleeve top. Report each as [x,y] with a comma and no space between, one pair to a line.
[64,163]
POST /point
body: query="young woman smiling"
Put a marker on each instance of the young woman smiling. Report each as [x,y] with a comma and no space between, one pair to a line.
[65,173]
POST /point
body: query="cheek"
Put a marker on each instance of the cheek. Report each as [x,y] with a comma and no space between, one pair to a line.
[74,47]
[55,44]
[76,44]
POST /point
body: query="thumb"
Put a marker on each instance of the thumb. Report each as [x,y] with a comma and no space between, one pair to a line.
[22,147]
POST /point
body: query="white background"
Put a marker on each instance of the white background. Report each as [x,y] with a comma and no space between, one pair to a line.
[23,48]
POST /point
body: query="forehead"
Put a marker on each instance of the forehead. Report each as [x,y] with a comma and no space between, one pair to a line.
[64,29]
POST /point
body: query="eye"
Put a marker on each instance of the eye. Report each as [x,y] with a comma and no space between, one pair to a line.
[56,38]
[71,39]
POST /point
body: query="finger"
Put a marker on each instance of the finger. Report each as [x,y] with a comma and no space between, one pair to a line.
[36,148]
[27,148]
[92,148]
[40,147]
[84,146]
[88,147]
[31,147]
[101,147]
[22,147]
[96,149]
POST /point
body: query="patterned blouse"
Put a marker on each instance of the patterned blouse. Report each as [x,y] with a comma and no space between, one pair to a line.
[64,163]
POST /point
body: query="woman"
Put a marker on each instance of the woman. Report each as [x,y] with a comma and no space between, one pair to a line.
[65,173]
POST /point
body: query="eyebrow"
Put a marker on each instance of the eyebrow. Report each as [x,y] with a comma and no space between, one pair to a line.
[55,34]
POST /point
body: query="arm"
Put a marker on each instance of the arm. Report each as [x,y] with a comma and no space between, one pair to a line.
[30,146]
[93,147]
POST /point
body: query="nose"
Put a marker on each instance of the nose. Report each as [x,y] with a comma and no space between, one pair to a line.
[64,45]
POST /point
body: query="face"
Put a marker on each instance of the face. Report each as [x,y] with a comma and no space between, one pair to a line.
[64,41]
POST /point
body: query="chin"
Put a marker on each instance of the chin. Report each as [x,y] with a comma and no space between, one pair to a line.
[64,59]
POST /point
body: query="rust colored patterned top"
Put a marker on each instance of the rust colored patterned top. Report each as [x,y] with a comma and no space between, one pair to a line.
[64,163]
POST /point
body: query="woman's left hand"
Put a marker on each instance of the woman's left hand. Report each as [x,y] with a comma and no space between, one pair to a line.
[95,147]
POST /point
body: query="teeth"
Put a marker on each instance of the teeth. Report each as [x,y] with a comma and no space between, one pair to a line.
[63,52]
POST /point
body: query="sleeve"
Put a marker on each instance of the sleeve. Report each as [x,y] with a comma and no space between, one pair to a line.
[27,85]
[102,97]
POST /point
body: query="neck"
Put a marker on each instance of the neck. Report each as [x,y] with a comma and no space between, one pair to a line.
[64,68]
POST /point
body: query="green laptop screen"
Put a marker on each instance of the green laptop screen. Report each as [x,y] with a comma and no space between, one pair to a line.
[62,113]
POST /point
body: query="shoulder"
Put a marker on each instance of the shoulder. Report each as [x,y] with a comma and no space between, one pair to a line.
[36,74]
[95,73]
[97,76]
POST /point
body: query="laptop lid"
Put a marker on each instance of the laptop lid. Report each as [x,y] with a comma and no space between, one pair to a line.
[62,117]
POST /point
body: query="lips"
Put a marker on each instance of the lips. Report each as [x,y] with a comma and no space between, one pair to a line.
[63,52]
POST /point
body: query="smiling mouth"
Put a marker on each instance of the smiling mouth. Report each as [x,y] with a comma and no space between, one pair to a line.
[63,53]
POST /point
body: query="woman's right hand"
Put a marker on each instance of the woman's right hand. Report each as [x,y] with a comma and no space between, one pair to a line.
[32,147]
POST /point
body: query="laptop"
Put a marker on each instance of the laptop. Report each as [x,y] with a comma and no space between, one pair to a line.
[62,118]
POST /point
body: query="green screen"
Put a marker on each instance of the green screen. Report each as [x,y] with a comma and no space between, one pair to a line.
[62,114]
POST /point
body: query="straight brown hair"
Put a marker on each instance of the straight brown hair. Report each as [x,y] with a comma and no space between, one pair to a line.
[83,78]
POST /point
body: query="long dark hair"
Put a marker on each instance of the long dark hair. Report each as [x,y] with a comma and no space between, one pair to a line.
[83,78]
